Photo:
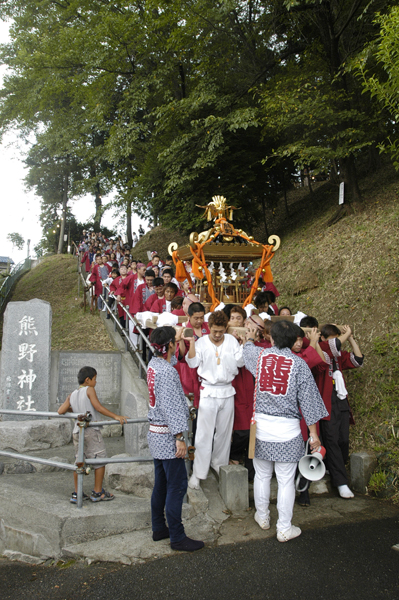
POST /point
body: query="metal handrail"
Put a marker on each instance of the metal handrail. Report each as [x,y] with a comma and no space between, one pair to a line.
[16,272]
[80,467]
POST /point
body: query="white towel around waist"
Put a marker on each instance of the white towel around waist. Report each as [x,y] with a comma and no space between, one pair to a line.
[276,429]
[340,387]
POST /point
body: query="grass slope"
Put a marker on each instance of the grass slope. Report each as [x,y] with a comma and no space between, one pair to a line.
[348,273]
[158,239]
[55,280]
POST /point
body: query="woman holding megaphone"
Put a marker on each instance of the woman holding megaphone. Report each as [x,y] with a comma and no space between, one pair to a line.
[283,385]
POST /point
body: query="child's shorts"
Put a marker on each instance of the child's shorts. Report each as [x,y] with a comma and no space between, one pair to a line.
[94,446]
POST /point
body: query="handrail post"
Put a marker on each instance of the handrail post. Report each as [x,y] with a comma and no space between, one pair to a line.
[80,462]
[140,348]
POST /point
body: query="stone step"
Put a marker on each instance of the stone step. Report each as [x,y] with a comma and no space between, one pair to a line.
[138,546]
[38,518]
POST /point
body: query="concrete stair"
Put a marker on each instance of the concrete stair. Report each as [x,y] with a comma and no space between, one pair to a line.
[42,521]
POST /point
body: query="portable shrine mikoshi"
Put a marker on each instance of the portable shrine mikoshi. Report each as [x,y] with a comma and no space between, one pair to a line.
[217,255]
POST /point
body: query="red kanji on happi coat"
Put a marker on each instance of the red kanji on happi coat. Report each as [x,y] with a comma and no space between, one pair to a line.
[151,385]
[275,372]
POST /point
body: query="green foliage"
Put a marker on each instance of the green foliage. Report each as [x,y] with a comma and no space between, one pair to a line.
[16,239]
[171,102]
[378,70]
[378,481]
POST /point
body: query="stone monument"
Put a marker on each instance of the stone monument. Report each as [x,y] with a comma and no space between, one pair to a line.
[26,358]
[108,367]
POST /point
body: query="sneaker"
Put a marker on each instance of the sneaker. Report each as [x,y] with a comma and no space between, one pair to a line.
[345,492]
[289,534]
[74,497]
[263,523]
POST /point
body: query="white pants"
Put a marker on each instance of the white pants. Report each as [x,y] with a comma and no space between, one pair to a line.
[134,337]
[285,473]
[213,435]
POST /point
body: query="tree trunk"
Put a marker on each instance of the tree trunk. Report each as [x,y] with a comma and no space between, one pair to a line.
[99,208]
[264,217]
[350,178]
[129,223]
[285,197]
[64,210]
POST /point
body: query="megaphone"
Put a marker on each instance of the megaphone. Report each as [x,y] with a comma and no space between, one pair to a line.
[311,466]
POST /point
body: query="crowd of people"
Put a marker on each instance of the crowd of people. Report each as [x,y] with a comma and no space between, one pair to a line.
[259,375]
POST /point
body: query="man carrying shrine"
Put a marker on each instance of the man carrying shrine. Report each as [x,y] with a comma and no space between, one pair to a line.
[283,385]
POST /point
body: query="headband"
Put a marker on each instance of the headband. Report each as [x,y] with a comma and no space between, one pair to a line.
[162,348]
[257,324]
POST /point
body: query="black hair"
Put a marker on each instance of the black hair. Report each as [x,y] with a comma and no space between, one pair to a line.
[328,330]
[226,309]
[219,319]
[238,310]
[168,270]
[195,307]
[309,322]
[286,308]
[162,336]
[176,302]
[172,286]
[84,373]
[149,273]
[284,334]
[272,296]
[116,271]
[158,281]
[300,332]
[261,299]
[169,257]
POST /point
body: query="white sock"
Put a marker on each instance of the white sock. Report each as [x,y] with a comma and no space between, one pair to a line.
[345,492]
[194,483]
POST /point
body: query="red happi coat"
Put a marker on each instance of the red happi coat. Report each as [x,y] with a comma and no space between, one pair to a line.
[244,385]
[315,364]
[149,303]
[95,278]
[188,376]
[115,288]
[86,260]
[139,299]
[179,312]
[159,305]
[324,379]
[129,288]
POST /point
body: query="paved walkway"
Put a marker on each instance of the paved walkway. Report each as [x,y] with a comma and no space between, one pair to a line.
[349,561]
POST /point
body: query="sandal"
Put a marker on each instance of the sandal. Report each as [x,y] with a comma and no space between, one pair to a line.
[74,497]
[101,496]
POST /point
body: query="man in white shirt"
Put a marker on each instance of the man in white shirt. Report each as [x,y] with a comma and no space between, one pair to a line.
[217,357]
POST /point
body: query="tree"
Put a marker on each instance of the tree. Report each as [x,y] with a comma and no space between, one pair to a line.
[16,239]
[314,103]
[378,70]
[171,102]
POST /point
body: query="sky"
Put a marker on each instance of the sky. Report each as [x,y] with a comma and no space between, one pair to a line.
[20,209]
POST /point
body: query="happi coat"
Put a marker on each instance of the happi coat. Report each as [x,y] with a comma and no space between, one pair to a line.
[168,406]
[283,385]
